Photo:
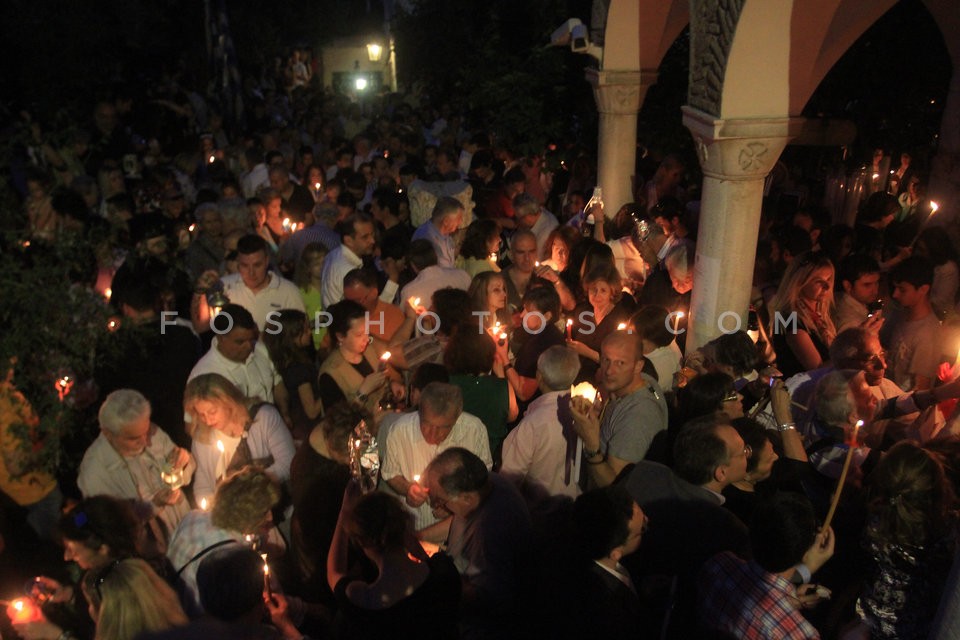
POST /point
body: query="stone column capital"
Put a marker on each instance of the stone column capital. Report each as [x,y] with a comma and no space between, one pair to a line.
[739,149]
[620,92]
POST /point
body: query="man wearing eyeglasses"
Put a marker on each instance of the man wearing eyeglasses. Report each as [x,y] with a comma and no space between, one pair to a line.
[489,539]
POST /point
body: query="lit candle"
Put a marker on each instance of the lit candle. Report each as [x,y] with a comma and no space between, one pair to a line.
[843,476]
[192,227]
[108,293]
[286,224]
[416,478]
[414,302]
[203,504]
[221,463]
[23,611]
[384,359]
[492,257]
[503,339]
[584,390]
[266,576]
[63,386]
[211,159]
[676,321]
[112,325]
[569,329]
[536,264]
[317,185]
[933,207]
[621,326]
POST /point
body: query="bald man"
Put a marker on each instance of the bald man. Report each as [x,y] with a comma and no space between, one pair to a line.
[634,412]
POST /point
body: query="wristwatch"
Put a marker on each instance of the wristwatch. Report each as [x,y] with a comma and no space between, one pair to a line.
[786,426]
[587,453]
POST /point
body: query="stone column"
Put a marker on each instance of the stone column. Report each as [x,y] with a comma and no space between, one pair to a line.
[619,95]
[735,155]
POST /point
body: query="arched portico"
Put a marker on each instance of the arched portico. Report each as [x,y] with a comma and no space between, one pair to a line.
[754,65]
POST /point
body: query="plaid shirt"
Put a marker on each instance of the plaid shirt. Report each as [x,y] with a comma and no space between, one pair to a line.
[739,598]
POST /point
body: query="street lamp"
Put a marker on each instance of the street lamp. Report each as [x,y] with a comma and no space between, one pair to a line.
[360,83]
[374,51]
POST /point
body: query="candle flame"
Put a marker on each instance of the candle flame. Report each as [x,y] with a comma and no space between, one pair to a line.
[18,605]
[621,326]
[584,390]
[680,314]
[503,336]
[385,356]
[192,227]
[876,175]
[212,158]
[203,504]
[933,207]
[569,322]
[416,477]
[108,293]
[317,186]
[536,264]
[220,446]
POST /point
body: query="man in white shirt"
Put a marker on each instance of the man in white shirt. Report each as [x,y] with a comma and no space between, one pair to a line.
[541,450]
[237,355]
[416,438]
[134,459]
[651,324]
[859,276]
[257,289]
[446,218]
[422,258]
[357,240]
[530,215]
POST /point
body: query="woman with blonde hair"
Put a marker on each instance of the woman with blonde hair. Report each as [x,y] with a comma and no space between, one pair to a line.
[805,294]
[488,295]
[127,598]
[232,431]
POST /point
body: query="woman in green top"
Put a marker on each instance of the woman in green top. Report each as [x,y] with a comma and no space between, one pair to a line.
[470,357]
[307,277]
[481,245]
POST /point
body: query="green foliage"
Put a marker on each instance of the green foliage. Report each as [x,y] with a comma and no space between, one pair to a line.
[51,328]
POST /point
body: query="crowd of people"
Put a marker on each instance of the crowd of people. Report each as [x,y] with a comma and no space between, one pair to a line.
[554,460]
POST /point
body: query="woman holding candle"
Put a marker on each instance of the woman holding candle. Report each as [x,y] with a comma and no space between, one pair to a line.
[353,370]
[488,296]
[413,595]
[805,293]
[233,431]
[475,367]
[127,598]
[608,307]
[911,538]
[481,247]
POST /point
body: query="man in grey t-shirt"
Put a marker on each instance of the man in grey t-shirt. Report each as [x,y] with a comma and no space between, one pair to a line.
[634,411]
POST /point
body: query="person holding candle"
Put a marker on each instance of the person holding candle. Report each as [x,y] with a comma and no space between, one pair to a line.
[430,276]
[634,412]
[128,598]
[911,538]
[608,307]
[756,598]
[132,458]
[352,371]
[241,512]
[521,274]
[416,438]
[96,532]
[488,294]
[481,247]
[410,587]
[251,432]
[476,367]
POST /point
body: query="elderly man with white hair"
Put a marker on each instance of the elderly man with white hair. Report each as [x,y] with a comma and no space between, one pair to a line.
[134,459]
[542,449]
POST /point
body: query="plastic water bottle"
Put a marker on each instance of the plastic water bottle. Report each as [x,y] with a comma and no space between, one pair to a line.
[593,211]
